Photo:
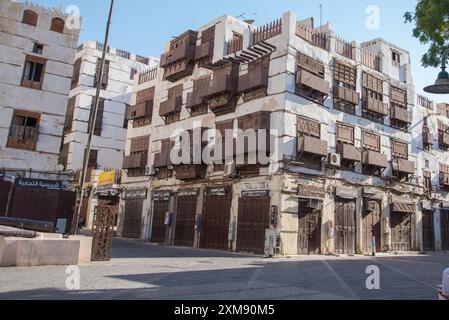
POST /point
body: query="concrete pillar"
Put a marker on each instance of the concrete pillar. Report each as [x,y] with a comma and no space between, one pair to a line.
[289,20]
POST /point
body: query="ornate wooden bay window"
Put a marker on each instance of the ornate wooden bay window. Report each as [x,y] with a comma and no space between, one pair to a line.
[222,94]
[205,51]
[222,128]
[179,61]
[136,162]
[444,177]
[400,117]
[311,148]
[170,109]
[141,113]
[254,84]
[196,101]
[402,167]
[427,137]
[310,82]
[162,160]
[373,161]
[346,98]
[443,136]
[350,155]
[192,170]
[373,106]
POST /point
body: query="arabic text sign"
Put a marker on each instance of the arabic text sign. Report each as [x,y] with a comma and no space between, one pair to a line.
[38,183]
[106,178]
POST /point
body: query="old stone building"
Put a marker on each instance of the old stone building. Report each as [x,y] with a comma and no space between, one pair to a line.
[36,67]
[348,169]
[108,143]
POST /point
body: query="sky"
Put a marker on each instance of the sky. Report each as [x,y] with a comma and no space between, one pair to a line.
[144,26]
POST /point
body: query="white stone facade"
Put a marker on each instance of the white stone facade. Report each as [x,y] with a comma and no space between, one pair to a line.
[47,101]
[286,175]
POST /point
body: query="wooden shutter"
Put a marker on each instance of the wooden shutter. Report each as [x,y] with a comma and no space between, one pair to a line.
[69,115]
[175,91]
[76,72]
[370,141]
[399,149]
[208,35]
[311,65]
[398,96]
[345,133]
[372,83]
[140,144]
[345,74]
[30,18]
[105,80]
[145,95]
[307,127]
[57,25]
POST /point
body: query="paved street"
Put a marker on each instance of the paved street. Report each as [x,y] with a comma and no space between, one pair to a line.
[144,271]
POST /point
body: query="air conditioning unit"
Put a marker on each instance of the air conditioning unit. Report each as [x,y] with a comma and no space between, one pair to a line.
[334,159]
[150,171]
[229,170]
[311,204]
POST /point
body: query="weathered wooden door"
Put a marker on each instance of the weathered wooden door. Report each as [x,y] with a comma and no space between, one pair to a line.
[5,188]
[158,227]
[215,222]
[253,220]
[345,227]
[401,235]
[428,231]
[185,221]
[371,220]
[444,229]
[132,219]
[309,232]
[103,228]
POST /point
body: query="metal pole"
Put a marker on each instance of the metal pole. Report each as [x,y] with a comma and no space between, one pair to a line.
[94,116]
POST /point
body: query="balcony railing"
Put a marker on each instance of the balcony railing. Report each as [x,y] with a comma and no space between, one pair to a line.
[344,48]
[312,146]
[235,45]
[312,36]
[267,31]
[148,75]
[371,60]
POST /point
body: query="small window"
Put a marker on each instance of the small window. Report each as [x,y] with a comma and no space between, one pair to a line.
[30,18]
[38,48]
[133,73]
[24,130]
[57,25]
[396,58]
[33,73]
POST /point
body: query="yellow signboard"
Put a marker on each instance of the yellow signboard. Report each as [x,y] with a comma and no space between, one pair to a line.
[106,178]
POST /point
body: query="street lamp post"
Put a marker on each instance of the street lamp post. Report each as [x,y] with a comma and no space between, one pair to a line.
[441,86]
[93,118]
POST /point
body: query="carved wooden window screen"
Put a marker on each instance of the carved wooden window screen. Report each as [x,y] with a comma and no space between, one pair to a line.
[370,141]
[310,64]
[308,127]
[345,133]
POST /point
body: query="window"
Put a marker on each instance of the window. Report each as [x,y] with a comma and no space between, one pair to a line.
[310,82]
[370,141]
[396,58]
[30,18]
[76,73]
[137,161]
[373,107]
[400,117]
[38,48]
[133,73]
[24,130]
[33,73]
[105,78]
[57,25]
[142,112]
[99,120]
[69,115]
[443,136]
[444,176]
[427,181]
[345,81]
